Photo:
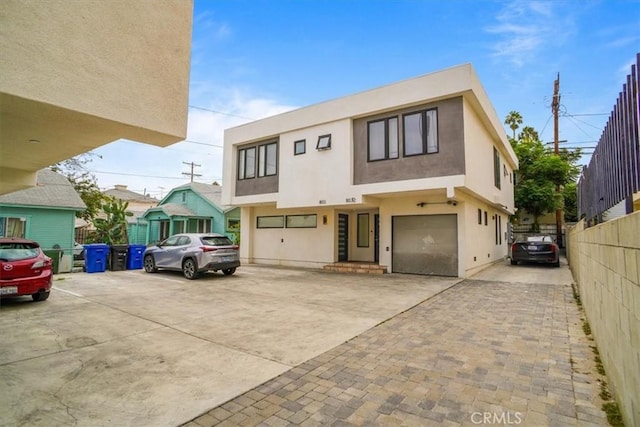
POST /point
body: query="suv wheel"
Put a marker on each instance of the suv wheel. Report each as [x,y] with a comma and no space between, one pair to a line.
[229,271]
[189,269]
[150,264]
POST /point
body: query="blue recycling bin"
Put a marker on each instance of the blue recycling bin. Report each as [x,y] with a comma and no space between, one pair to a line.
[95,258]
[135,257]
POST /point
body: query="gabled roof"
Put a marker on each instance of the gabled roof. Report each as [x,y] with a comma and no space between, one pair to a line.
[120,192]
[172,209]
[211,193]
[52,190]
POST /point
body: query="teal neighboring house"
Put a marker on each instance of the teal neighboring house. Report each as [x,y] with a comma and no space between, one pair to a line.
[45,213]
[192,208]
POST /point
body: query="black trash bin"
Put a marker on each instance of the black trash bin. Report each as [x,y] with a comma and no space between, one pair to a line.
[118,257]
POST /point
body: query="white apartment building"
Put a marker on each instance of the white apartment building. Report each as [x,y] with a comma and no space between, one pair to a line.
[416,176]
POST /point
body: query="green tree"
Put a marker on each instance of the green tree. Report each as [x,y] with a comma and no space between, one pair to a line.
[570,196]
[540,173]
[513,120]
[112,229]
[84,183]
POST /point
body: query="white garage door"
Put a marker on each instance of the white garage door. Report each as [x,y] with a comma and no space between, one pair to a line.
[425,244]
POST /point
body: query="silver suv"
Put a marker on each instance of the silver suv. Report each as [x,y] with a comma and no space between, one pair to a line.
[193,254]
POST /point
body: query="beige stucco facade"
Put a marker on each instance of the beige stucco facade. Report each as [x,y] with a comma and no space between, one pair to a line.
[348,192]
[75,76]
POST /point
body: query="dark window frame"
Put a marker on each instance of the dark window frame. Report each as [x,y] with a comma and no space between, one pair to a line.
[387,155]
[328,144]
[479,216]
[424,132]
[262,162]
[242,163]
[269,216]
[315,225]
[496,169]
[303,143]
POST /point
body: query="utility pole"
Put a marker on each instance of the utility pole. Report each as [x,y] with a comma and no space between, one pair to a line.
[555,107]
[191,173]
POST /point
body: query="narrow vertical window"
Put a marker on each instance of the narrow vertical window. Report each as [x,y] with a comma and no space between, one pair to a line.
[247,163]
[480,216]
[363,230]
[496,168]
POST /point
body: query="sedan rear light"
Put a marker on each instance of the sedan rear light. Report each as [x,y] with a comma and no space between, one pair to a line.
[208,249]
[513,247]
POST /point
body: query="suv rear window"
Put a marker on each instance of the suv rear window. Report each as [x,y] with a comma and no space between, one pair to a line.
[17,251]
[217,241]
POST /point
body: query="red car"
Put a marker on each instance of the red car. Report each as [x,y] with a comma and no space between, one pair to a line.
[24,269]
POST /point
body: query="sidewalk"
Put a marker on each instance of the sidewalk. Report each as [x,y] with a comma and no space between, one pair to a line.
[479,353]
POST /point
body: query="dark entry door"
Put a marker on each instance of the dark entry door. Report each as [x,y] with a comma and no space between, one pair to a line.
[376,238]
[343,237]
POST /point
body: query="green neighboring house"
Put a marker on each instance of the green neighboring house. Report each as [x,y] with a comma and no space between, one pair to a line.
[45,213]
[192,208]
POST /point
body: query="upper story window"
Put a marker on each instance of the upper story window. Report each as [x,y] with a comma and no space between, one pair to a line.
[420,132]
[247,163]
[300,147]
[267,159]
[324,142]
[496,168]
[260,161]
[383,139]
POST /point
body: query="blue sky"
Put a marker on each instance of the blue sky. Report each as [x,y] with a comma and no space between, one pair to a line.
[252,59]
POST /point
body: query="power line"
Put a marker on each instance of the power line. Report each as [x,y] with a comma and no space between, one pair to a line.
[220,112]
[191,173]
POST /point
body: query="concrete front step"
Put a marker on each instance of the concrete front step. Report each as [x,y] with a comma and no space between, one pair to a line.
[356,267]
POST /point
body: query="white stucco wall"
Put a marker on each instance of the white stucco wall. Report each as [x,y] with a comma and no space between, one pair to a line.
[317,175]
[301,247]
[479,146]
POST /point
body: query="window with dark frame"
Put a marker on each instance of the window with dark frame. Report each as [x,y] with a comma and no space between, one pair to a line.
[274,221]
[363,230]
[496,168]
[247,163]
[485,218]
[420,133]
[299,147]
[268,159]
[302,221]
[382,136]
[324,142]
[480,216]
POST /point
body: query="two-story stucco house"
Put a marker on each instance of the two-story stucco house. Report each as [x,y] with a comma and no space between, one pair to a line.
[416,176]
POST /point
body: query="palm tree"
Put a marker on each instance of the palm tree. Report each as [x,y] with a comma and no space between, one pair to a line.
[513,119]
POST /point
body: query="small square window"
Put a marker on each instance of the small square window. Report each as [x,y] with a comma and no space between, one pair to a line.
[300,147]
[324,142]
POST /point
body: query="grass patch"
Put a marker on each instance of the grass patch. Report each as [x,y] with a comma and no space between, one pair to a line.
[586,327]
[604,391]
[613,414]
[576,295]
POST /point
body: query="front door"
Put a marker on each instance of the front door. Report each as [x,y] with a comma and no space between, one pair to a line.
[343,237]
[376,238]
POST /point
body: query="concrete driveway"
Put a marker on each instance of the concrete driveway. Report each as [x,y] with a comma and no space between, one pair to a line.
[130,348]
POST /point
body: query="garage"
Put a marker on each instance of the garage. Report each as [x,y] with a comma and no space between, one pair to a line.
[425,244]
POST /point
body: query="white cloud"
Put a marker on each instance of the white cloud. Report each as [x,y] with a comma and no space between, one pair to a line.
[523,28]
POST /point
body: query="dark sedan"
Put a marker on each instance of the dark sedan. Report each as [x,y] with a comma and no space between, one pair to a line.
[538,249]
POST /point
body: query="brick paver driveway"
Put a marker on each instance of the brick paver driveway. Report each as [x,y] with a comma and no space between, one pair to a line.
[481,352]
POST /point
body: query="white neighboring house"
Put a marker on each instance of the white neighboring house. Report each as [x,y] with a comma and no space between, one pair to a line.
[416,176]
